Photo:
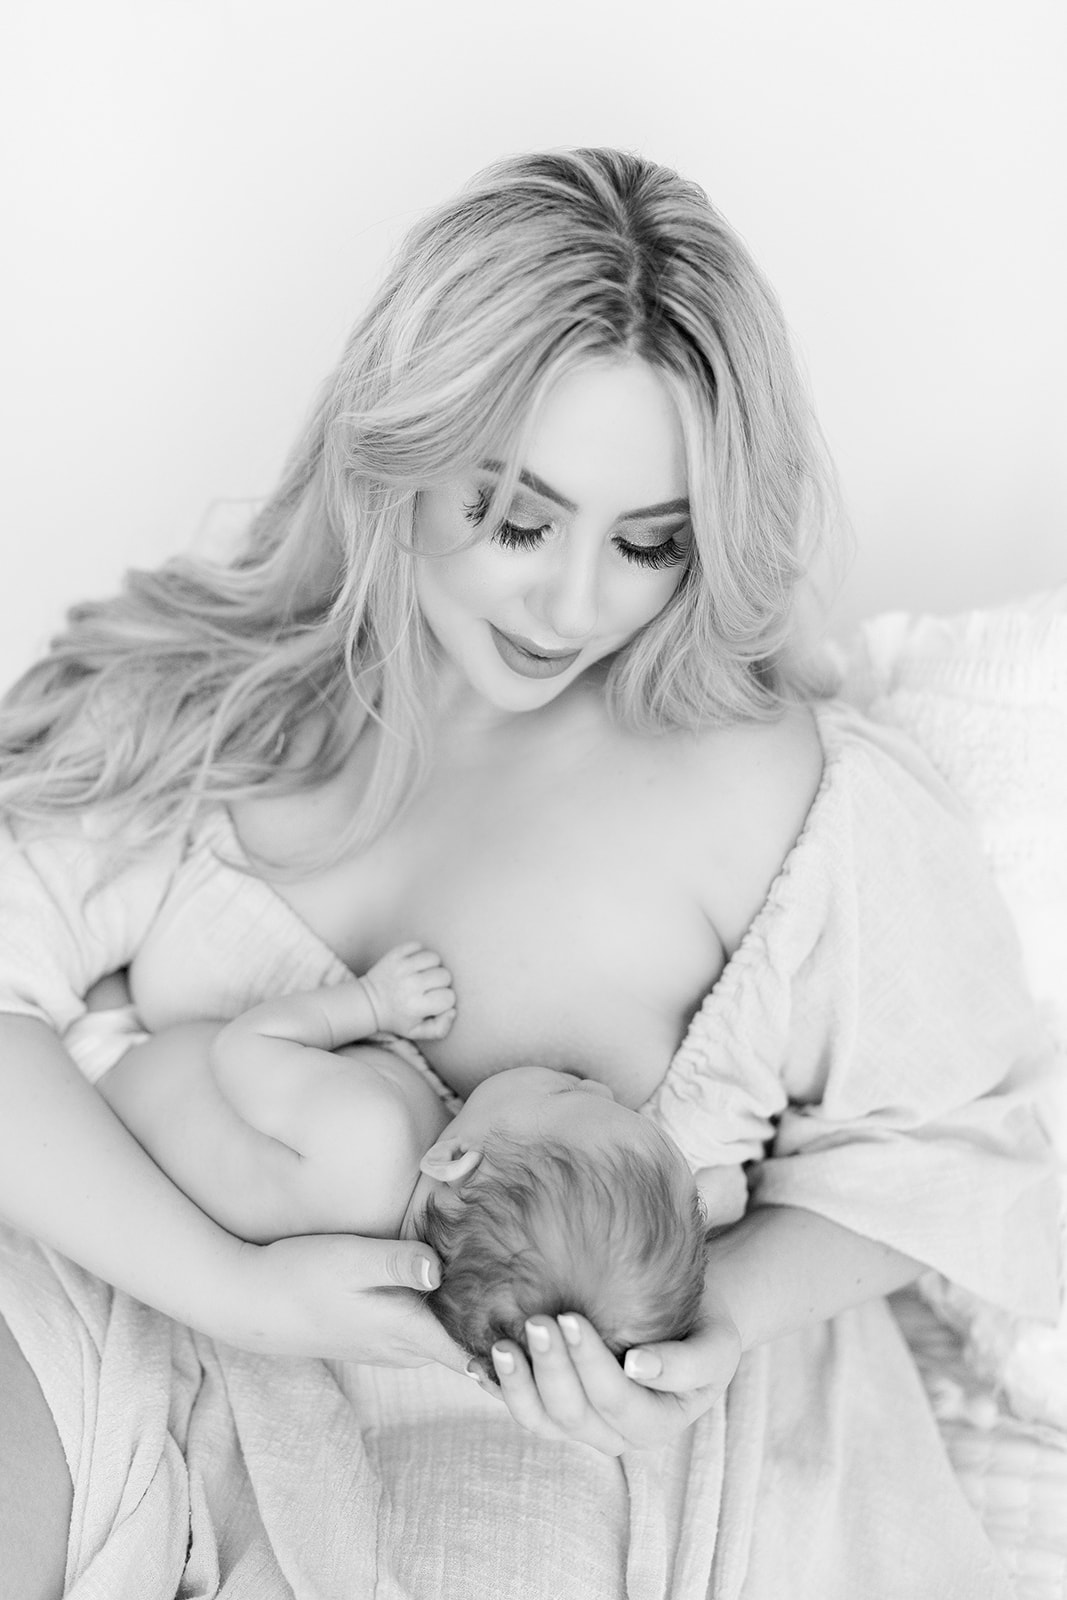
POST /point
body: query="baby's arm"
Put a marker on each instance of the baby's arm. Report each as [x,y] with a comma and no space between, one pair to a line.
[272,1061]
[272,1133]
[164,1090]
[74,1177]
[269,1131]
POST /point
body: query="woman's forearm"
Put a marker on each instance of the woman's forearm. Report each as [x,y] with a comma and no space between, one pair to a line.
[781,1268]
[73,1177]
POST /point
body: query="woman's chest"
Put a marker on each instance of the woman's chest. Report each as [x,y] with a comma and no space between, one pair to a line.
[574,938]
[565,911]
[562,902]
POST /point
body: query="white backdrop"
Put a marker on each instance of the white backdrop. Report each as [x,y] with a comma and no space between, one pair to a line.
[204,190]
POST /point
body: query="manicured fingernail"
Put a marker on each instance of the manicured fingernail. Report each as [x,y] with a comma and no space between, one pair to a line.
[537,1338]
[642,1364]
[429,1273]
[474,1369]
[504,1361]
[570,1328]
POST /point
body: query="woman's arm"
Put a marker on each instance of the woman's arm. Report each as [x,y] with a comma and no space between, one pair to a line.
[780,1269]
[72,1176]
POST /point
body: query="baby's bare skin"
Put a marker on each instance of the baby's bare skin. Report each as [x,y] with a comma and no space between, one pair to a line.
[274,1138]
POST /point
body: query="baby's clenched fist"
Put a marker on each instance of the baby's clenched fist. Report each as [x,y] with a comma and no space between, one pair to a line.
[411,993]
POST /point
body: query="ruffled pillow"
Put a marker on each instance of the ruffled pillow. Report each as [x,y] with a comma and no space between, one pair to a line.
[984,694]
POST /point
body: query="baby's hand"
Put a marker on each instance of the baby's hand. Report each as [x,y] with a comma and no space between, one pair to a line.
[411,993]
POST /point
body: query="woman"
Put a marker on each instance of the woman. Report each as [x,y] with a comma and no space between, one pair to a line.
[505,666]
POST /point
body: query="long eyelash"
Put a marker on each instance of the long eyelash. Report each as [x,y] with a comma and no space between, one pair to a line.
[478,511]
[509,534]
[667,554]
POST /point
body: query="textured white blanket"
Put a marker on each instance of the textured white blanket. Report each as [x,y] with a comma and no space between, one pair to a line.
[984,694]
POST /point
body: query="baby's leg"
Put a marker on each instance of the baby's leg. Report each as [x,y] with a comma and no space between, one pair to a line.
[165,1093]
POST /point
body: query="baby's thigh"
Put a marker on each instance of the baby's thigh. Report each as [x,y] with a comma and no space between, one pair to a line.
[35,1487]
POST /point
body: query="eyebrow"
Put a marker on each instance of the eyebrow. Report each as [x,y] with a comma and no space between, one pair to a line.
[663,508]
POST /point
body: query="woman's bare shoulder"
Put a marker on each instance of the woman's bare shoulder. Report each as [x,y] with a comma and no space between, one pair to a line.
[270,824]
[750,790]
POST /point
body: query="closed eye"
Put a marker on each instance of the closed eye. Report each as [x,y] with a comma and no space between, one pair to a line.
[513,536]
[510,534]
[519,536]
[667,554]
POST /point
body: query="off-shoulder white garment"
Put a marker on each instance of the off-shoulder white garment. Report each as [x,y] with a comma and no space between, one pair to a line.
[855,1049]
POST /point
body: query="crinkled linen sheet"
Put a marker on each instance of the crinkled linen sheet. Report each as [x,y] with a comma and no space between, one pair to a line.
[201,1470]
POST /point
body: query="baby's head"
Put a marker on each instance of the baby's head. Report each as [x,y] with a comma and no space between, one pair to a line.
[544,1195]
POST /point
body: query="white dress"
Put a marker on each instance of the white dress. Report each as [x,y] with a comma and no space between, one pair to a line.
[872,1034]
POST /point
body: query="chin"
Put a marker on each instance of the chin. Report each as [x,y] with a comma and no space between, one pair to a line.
[528,694]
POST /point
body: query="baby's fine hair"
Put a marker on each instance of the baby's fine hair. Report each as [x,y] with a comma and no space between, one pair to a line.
[541,1229]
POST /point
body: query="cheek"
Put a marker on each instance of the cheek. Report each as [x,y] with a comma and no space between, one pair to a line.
[449,571]
[640,596]
[465,581]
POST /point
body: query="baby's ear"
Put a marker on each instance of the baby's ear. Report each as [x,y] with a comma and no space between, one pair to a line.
[448,1162]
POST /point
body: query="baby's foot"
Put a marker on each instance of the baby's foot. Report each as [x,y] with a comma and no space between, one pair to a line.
[411,993]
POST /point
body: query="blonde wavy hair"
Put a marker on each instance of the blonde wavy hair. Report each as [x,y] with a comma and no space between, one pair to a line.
[183,690]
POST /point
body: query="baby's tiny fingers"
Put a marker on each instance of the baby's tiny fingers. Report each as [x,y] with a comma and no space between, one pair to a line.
[434,1027]
[438,1001]
[436,978]
[419,960]
[400,952]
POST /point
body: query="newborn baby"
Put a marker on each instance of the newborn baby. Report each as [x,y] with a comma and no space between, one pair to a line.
[540,1194]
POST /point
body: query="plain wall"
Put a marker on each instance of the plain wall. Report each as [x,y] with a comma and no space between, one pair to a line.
[203,191]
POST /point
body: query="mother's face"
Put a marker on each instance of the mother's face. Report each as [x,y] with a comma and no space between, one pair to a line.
[593,545]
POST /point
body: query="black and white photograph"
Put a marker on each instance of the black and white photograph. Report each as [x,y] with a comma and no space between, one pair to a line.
[533,801]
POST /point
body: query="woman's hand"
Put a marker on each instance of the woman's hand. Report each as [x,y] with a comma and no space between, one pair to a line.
[574,1388]
[338,1297]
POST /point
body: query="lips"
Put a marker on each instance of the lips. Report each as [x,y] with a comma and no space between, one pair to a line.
[523,656]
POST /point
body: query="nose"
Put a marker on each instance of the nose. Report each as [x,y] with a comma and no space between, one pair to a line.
[569,601]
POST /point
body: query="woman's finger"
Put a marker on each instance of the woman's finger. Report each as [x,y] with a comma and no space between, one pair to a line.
[518,1390]
[627,1408]
[561,1393]
[520,1393]
[558,1385]
[417,1332]
[606,1387]
[707,1359]
[386,1263]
